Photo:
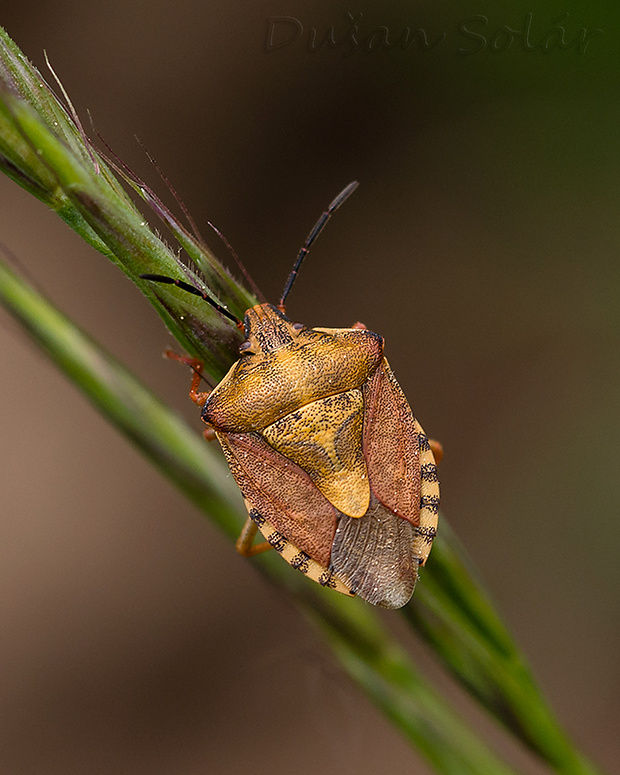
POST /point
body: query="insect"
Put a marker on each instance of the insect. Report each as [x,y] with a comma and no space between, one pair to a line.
[336,472]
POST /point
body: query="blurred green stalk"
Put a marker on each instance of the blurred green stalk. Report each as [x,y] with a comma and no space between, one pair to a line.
[46,152]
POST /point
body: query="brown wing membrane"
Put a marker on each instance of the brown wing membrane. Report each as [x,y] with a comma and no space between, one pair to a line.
[282,493]
[391,445]
[295,557]
[401,467]
[374,555]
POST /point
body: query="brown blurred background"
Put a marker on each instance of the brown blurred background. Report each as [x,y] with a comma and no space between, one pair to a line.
[482,243]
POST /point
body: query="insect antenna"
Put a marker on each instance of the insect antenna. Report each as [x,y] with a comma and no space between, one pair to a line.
[160,278]
[314,233]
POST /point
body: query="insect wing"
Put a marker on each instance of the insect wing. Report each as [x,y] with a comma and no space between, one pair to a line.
[391,445]
[374,555]
[401,466]
[296,519]
[378,555]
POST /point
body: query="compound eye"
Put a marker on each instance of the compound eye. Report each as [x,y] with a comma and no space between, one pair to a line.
[245,347]
[298,326]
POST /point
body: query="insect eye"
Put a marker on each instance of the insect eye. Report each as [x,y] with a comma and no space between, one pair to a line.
[298,326]
[245,347]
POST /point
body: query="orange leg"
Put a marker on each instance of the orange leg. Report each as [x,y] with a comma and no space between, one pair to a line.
[245,543]
[197,396]
[437,450]
[209,434]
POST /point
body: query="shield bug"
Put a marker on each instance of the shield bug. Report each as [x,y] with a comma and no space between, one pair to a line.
[335,470]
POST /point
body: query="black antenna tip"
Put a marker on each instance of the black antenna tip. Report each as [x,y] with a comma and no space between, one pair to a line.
[314,233]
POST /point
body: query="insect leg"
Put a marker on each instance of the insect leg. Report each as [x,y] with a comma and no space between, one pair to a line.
[209,434]
[245,543]
[437,450]
[197,396]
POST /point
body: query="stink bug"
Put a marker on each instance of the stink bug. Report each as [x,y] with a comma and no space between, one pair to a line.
[335,470]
